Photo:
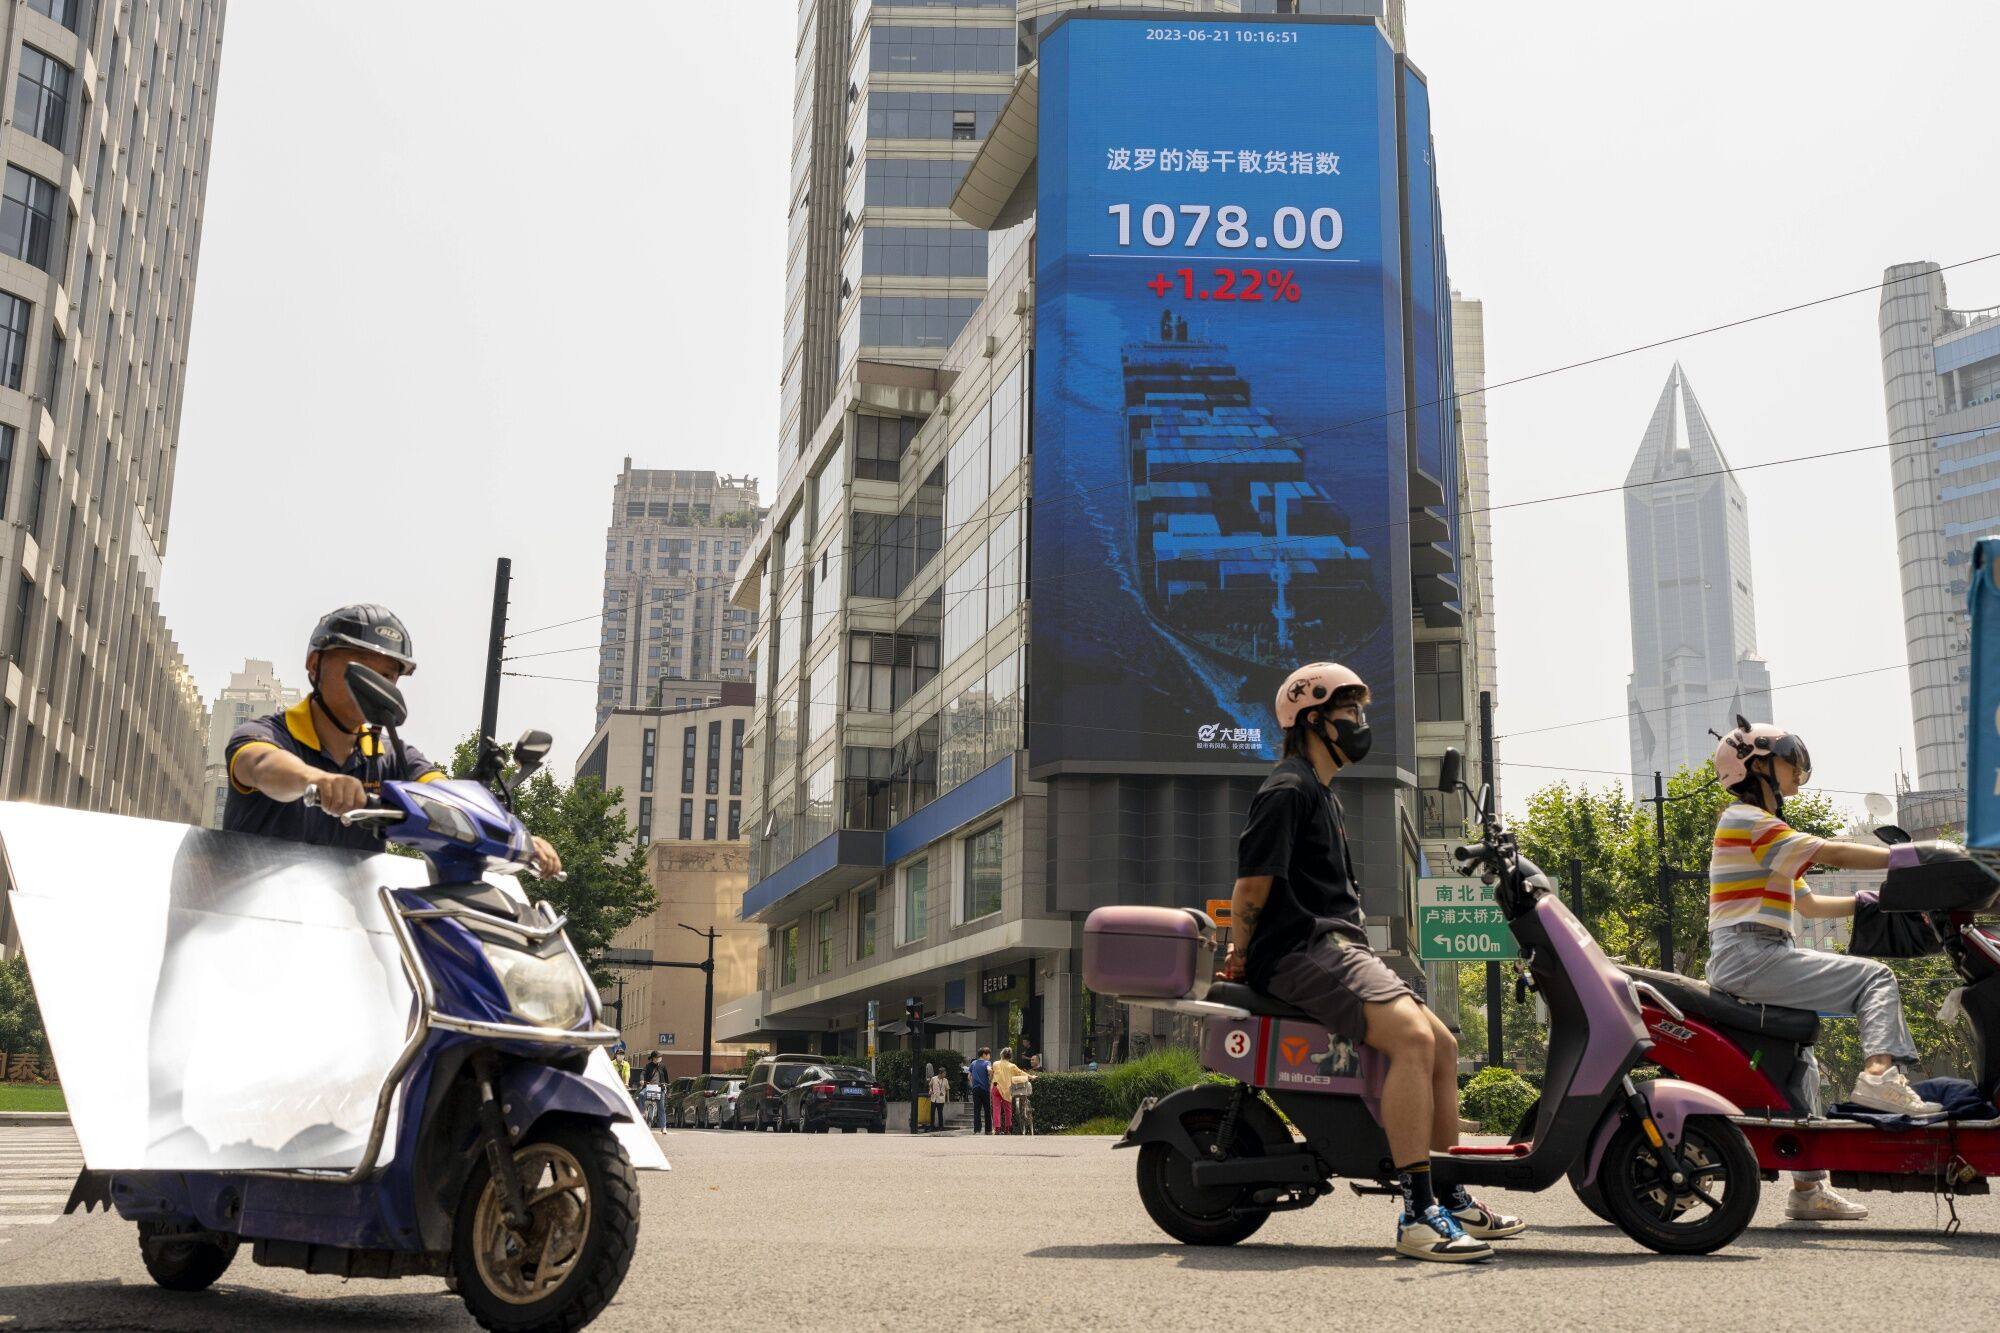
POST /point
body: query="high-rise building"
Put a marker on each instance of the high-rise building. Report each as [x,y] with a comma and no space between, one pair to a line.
[1694,620]
[901,845]
[106,171]
[679,771]
[669,556]
[1941,388]
[255,691]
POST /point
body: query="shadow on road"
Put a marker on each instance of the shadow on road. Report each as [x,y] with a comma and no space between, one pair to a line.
[111,1304]
[1272,1258]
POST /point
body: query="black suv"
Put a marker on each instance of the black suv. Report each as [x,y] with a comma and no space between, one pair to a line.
[764,1088]
[831,1096]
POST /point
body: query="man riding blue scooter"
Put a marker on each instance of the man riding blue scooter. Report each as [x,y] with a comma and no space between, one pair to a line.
[318,743]
[1299,937]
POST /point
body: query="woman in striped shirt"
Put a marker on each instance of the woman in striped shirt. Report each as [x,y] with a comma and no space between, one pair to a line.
[1756,890]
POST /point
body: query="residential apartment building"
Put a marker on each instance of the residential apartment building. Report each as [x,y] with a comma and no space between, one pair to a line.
[100,232]
[255,691]
[1694,617]
[899,845]
[1941,390]
[679,769]
[674,541]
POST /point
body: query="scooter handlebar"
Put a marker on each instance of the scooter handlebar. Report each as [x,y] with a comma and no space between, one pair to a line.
[370,815]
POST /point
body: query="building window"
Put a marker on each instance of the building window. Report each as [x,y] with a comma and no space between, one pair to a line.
[41,96]
[687,821]
[916,900]
[867,774]
[645,820]
[982,873]
[648,752]
[24,601]
[788,955]
[687,759]
[864,918]
[735,820]
[7,437]
[36,494]
[1440,686]
[52,372]
[823,937]
[27,217]
[714,767]
[881,442]
[65,12]
[735,767]
[708,821]
[14,315]
[964,125]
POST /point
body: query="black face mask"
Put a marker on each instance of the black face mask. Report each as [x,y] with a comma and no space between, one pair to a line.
[1350,741]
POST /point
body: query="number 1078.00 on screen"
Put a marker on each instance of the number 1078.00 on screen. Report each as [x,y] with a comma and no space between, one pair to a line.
[1228,226]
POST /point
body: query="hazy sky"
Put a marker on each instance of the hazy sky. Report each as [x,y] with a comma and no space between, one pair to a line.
[451,277]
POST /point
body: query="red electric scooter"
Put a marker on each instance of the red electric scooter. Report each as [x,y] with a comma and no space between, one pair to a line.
[1753,1054]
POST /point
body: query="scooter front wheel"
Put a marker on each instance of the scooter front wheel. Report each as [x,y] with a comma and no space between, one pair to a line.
[582,1198]
[1190,1213]
[190,1262]
[1697,1215]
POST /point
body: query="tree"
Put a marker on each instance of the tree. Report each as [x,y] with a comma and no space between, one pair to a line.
[1612,837]
[20,1017]
[606,887]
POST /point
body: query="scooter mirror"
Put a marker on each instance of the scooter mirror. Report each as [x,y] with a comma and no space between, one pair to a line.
[531,752]
[1448,771]
[380,702]
[1892,834]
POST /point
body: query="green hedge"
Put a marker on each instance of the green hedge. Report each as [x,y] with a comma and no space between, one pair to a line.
[893,1069]
[1497,1098]
[1066,1100]
[1062,1100]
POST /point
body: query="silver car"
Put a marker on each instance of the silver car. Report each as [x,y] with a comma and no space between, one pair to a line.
[714,1107]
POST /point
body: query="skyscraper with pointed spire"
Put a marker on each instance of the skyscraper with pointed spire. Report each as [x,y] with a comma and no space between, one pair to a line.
[1694,620]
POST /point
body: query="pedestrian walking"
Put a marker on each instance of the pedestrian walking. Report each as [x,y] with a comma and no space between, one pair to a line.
[940,1091]
[1004,1074]
[1024,1095]
[979,1078]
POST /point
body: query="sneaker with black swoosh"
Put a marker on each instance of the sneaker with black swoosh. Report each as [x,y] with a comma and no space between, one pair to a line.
[1437,1238]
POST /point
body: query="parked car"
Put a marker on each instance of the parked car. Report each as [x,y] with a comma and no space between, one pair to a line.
[830,1096]
[695,1107]
[758,1105]
[677,1095]
[716,1103]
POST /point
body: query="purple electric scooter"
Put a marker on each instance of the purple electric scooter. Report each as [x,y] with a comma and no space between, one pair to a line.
[1215,1160]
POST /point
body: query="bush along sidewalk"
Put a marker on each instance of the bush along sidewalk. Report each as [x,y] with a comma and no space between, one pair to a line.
[1497,1098]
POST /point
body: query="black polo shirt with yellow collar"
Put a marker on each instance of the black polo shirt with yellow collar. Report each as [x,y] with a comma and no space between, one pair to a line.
[251,811]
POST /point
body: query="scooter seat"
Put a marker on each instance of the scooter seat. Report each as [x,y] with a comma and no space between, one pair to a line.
[1243,997]
[1714,1006]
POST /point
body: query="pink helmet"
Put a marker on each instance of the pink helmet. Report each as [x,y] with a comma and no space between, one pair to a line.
[1735,751]
[1312,685]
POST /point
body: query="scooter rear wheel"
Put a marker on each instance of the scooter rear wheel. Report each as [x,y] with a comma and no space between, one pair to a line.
[184,1263]
[583,1204]
[1188,1212]
[1702,1215]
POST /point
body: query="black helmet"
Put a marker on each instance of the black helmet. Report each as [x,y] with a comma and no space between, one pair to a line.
[368,627]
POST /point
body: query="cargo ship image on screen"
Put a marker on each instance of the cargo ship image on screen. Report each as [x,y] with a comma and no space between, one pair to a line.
[1240,554]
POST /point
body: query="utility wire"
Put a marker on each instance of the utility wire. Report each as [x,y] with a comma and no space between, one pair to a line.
[1600,359]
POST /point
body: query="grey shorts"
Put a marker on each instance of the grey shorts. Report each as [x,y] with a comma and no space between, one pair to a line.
[1334,979]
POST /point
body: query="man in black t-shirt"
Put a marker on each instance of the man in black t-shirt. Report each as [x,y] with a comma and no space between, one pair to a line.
[1300,937]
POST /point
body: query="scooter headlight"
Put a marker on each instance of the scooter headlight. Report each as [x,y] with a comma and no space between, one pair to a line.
[547,992]
[445,817]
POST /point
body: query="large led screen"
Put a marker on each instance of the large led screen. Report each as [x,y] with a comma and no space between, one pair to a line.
[1220,448]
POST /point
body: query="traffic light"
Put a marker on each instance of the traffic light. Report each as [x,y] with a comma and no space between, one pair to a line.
[913,1009]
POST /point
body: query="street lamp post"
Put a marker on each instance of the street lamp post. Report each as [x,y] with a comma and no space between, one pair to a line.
[706,967]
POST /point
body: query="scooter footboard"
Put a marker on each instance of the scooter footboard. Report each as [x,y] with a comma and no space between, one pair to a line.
[1671,1101]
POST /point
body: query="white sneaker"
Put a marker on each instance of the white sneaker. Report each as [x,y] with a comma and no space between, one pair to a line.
[1890,1091]
[1437,1237]
[1820,1204]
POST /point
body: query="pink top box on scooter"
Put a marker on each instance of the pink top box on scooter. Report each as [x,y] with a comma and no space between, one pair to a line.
[1161,953]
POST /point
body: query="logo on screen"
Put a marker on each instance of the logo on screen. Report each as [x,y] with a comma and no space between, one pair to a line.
[1228,736]
[1296,1050]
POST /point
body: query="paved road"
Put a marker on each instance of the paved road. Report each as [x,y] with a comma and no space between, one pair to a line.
[763,1231]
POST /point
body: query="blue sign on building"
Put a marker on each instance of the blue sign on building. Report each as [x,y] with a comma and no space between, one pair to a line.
[1223,451]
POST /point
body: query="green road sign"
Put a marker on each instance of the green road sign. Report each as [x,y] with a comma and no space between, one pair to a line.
[1458,922]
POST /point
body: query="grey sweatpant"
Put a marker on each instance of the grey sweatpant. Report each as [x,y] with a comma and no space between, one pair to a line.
[1762,965]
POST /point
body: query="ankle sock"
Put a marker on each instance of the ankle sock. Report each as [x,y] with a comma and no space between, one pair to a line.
[1415,1182]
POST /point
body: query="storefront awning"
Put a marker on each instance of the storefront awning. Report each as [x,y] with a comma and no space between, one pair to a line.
[935,1023]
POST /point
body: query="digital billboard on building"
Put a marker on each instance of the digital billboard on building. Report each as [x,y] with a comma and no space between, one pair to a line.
[1221,453]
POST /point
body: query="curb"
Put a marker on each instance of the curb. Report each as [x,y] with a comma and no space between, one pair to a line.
[34,1117]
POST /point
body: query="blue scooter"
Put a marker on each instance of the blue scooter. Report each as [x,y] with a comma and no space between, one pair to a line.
[506,1177]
